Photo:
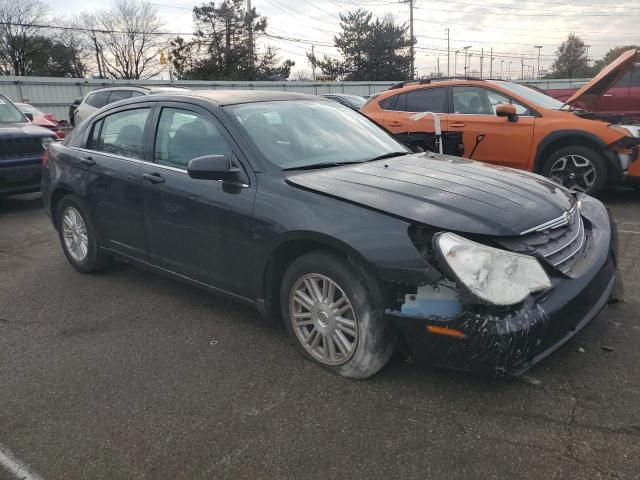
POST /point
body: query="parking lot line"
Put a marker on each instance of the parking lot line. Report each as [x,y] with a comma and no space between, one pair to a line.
[628,231]
[19,470]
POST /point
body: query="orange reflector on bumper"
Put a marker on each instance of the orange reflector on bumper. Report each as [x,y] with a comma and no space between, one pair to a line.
[447,332]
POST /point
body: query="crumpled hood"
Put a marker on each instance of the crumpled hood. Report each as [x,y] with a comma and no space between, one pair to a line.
[446,192]
[15,130]
[587,95]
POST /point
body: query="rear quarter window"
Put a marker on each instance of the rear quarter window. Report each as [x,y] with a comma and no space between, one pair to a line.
[118,95]
[388,103]
[98,99]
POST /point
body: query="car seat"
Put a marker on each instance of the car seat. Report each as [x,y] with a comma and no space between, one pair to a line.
[129,141]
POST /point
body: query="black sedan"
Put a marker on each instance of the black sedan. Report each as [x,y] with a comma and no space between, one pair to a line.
[309,211]
[352,101]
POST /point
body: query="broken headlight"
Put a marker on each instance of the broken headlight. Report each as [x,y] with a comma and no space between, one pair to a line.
[495,276]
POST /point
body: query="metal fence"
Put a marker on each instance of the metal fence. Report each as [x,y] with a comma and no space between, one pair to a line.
[54,95]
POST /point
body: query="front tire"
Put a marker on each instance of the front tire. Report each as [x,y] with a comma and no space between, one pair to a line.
[330,310]
[578,168]
[78,236]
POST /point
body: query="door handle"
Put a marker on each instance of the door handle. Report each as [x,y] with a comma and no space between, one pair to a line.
[153,178]
[88,161]
[457,125]
[608,95]
[395,124]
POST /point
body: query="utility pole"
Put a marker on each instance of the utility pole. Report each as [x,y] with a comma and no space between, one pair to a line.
[448,53]
[313,64]
[412,51]
[522,67]
[491,65]
[539,47]
[481,61]
[249,22]
[465,59]
[438,67]
[501,65]
[509,71]
[95,43]
[455,62]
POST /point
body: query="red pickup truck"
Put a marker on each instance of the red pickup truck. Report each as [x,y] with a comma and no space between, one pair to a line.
[622,98]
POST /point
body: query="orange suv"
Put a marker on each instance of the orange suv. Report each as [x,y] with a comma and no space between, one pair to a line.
[516,126]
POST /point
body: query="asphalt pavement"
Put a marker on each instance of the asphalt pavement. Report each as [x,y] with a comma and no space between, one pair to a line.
[128,375]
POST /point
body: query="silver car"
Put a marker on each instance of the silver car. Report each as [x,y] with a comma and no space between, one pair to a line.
[104,96]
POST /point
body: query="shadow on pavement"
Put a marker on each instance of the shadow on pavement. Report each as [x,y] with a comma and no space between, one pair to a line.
[20,203]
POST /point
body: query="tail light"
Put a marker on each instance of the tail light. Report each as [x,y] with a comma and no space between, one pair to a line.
[45,150]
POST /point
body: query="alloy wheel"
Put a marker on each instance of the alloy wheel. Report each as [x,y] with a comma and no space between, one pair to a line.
[574,172]
[323,319]
[74,232]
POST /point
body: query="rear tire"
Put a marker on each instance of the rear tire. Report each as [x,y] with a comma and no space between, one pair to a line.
[78,236]
[330,310]
[578,168]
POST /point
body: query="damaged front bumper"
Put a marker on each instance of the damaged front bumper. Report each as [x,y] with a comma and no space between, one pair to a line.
[510,341]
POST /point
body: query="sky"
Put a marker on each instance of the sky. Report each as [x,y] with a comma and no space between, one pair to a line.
[510,27]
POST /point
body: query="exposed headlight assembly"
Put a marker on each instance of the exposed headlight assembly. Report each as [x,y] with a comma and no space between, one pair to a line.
[46,141]
[495,276]
[633,130]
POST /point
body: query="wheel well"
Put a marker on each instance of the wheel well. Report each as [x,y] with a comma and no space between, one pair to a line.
[57,196]
[561,143]
[277,265]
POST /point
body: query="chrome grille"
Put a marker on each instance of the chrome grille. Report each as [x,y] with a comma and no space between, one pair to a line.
[559,246]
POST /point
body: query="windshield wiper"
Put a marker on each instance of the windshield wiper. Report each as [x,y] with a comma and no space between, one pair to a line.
[313,166]
[388,155]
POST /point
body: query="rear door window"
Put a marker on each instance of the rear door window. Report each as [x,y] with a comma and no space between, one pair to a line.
[98,99]
[120,133]
[426,100]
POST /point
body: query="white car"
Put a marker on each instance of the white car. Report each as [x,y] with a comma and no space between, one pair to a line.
[97,99]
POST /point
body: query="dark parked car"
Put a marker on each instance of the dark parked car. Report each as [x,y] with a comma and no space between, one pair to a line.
[21,148]
[309,211]
[72,110]
[352,101]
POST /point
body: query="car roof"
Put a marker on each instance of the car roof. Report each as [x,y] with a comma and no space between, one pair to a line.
[150,88]
[232,97]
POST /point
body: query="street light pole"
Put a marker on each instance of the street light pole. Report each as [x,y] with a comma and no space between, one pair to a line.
[448,53]
[539,47]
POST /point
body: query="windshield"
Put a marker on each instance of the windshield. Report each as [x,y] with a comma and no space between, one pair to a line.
[303,133]
[531,95]
[9,113]
[26,108]
[355,100]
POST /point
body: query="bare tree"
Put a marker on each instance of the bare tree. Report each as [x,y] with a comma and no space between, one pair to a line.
[20,40]
[127,39]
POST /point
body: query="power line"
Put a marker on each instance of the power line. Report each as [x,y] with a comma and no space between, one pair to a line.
[520,9]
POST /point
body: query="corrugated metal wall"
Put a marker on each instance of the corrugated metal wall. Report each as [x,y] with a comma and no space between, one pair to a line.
[55,94]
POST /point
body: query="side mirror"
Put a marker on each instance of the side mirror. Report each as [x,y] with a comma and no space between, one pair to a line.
[507,110]
[212,167]
[29,116]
